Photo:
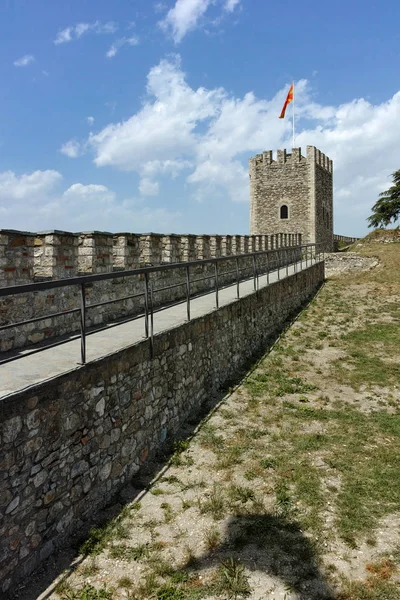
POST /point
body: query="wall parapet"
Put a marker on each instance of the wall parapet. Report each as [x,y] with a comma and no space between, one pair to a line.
[26,257]
[38,317]
[313,155]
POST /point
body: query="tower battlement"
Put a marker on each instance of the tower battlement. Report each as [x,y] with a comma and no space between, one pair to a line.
[284,157]
[292,191]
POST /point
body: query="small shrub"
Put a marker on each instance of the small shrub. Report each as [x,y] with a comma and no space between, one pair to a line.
[212,538]
[214,504]
[232,579]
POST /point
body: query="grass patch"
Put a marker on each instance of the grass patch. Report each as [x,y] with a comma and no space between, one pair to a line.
[99,537]
[214,504]
[124,552]
[364,363]
[275,382]
[232,579]
[87,592]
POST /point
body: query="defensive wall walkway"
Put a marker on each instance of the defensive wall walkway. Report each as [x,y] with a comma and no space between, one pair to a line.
[73,434]
[30,369]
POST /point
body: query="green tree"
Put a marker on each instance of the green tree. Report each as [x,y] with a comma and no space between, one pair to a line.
[387,208]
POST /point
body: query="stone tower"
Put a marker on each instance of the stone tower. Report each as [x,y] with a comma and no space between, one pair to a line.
[292,194]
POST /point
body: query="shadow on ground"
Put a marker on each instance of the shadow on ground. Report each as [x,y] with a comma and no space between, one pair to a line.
[274,546]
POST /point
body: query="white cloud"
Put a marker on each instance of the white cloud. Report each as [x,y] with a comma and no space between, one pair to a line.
[188,15]
[163,129]
[148,187]
[29,202]
[95,207]
[230,5]
[90,120]
[112,51]
[82,193]
[24,61]
[74,32]
[184,17]
[117,45]
[26,186]
[72,149]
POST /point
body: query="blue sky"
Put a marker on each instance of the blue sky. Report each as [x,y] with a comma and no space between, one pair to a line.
[136,115]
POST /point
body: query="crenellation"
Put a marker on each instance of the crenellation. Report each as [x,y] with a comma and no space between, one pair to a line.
[26,257]
[171,248]
[226,245]
[281,157]
[61,254]
[267,157]
[188,247]
[125,251]
[55,255]
[296,155]
[95,252]
[16,257]
[236,244]
[202,247]
[215,246]
[150,249]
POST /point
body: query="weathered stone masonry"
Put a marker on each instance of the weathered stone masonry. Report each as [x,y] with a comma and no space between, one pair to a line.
[70,443]
[26,257]
[303,184]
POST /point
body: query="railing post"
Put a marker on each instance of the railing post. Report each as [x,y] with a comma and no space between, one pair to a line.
[278,254]
[216,284]
[188,293]
[237,279]
[83,325]
[267,257]
[146,305]
[287,262]
[151,321]
[306,257]
[254,273]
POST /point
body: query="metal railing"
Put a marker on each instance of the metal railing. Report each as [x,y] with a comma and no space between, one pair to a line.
[254,265]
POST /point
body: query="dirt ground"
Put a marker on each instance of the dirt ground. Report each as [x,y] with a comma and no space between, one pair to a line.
[289,488]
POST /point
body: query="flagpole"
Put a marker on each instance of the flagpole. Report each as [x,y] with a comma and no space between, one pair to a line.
[293,116]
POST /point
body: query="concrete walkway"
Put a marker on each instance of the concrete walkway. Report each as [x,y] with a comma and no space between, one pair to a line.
[52,362]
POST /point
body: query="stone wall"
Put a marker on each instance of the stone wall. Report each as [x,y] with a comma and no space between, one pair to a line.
[303,184]
[26,258]
[69,444]
[342,239]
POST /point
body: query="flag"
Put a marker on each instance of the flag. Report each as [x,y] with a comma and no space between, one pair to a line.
[289,99]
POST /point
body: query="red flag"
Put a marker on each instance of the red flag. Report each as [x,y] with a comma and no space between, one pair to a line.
[289,99]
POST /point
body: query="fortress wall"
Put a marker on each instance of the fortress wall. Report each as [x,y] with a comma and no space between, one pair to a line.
[25,258]
[69,444]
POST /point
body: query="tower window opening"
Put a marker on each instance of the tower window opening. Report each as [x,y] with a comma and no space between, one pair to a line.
[284,212]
